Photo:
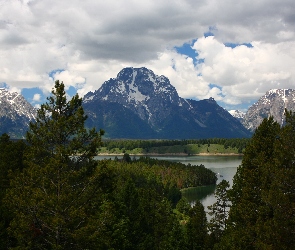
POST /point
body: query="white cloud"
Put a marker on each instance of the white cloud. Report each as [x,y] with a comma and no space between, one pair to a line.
[245,73]
[182,74]
[91,41]
[36,97]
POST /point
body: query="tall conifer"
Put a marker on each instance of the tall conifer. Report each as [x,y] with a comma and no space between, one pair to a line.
[219,211]
[250,182]
[279,230]
[52,197]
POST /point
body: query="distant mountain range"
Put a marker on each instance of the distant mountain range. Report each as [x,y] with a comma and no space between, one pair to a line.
[15,114]
[138,104]
[273,103]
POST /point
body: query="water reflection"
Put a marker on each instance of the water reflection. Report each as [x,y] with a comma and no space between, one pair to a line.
[224,166]
[197,193]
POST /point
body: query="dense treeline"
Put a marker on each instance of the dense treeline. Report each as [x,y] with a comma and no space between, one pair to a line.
[239,143]
[258,212]
[11,162]
[132,205]
[54,195]
[182,175]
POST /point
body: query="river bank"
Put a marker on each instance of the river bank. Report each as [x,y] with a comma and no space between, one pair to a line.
[171,150]
[171,154]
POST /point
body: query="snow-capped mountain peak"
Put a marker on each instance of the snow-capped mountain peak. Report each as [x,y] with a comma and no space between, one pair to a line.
[15,113]
[154,106]
[273,103]
[140,90]
[237,114]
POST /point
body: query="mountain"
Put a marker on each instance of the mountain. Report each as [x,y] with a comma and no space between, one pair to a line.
[273,103]
[139,104]
[238,114]
[15,114]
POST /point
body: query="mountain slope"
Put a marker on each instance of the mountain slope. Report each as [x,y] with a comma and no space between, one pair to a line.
[15,114]
[116,120]
[273,103]
[139,104]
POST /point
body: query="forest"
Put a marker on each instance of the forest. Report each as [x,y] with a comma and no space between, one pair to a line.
[54,195]
[188,147]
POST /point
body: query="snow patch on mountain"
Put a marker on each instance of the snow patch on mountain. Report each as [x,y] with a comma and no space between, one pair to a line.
[273,103]
[15,113]
[159,109]
[14,102]
[237,114]
[135,94]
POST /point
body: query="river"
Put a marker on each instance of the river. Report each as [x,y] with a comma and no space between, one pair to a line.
[224,166]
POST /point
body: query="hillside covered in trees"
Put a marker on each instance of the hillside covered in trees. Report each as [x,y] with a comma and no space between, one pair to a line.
[54,195]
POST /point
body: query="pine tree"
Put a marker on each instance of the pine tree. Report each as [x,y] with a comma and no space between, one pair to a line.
[277,232]
[196,227]
[250,186]
[219,211]
[11,162]
[52,198]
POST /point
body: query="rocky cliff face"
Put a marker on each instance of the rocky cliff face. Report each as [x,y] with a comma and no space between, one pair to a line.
[238,114]
[149,96]
[155,109]
[15,114]
[273,103]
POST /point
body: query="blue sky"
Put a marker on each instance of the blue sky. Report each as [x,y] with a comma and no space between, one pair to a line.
[207,48]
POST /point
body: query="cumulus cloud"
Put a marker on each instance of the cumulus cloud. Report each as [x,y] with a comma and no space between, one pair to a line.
[36,97]
[88,42]
[245,73]
[182,74]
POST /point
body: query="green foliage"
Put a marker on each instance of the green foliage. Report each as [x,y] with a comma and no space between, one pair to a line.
[196,228]
[263,198]
[126,157]
[11,162]
[219,212]
[141,213]
[217,145]
[251,179]
[182,210]
[279,216]
[52,197]
[180,175]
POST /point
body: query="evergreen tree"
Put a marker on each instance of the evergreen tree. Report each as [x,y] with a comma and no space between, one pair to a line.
[183,206]
[196,227]
[52,198]
[11,162]
[147,216]
[278,229]
[219,212]
[250,183]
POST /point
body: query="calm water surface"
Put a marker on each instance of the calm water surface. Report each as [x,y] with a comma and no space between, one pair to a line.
[224,166]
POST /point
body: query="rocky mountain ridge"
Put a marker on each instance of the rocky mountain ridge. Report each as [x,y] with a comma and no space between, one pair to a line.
[15,113]
[273,103]
[155,109]
[139,104]
[238,114]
